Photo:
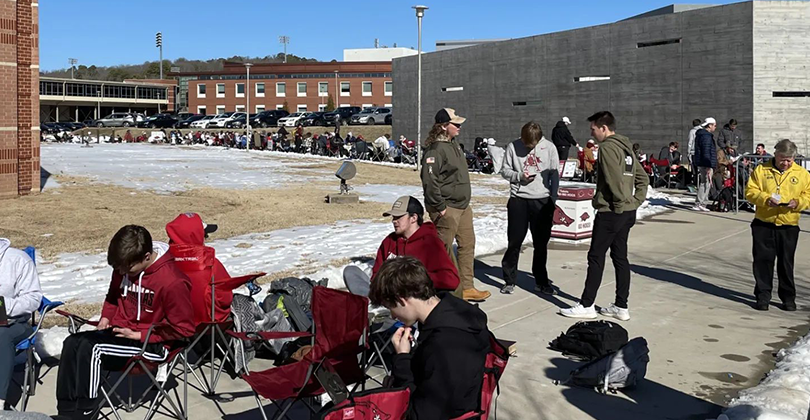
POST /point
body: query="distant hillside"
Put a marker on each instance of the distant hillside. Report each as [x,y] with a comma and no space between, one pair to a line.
[150,69]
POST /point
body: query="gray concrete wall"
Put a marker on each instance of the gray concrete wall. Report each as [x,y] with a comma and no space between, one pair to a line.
[781,63]
[654,92]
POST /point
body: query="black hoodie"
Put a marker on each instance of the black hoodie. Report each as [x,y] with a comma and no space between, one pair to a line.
[561,137]
[446,369]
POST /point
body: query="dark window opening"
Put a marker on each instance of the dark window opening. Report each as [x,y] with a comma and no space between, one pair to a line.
[657,43]
[525,103]
[791,94]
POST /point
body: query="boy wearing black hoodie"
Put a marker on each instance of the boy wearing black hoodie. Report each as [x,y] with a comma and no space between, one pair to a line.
[146,290]
[445,370]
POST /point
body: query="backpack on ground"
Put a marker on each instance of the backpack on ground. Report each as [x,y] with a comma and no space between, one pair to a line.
[623,369]
[725,200]
[589,340]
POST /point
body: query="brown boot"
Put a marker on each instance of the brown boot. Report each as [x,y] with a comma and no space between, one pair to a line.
[475,295]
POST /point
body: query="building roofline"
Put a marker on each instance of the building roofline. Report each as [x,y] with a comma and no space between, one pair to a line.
[231,67]
[102,82]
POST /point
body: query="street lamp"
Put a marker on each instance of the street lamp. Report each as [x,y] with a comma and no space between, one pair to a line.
[420,12]
[247,107]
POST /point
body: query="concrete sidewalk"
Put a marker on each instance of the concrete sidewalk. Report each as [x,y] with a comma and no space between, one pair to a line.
[690,298]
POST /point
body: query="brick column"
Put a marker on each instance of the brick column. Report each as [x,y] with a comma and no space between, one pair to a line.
[27,156]
[8,98]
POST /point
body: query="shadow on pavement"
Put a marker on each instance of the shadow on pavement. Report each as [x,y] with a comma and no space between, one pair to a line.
[525,281]
[692,282]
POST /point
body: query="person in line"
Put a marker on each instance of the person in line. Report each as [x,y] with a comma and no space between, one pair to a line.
[705,161]
[445,371]
[760,150]
[621,187]
[729,136]
[21,292]
[673,157]
[446,186]
[147,290]
[562,138]
[589,160]
[416,238]
[780,190]
[531,166]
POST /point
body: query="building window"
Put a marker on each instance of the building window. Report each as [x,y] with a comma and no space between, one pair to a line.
[366,88]
[345,105]
[323,88]
[453,89]
[281,89]
[280,106]
[240,90]
[201,91]
[321,107]
[367,106]
[260,90]
[301,108]
[389,88]
[389,105]
[345,89]
[791,94]
[525,103]
[201,110]
[259,108]
[590,78]
[220,90]
[240,108]
[302,89]
[658,43]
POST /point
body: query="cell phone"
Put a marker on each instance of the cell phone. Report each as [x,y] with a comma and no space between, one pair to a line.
[784,204]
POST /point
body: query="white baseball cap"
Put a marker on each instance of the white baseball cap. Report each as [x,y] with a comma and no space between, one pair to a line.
[708,121]
[566,121]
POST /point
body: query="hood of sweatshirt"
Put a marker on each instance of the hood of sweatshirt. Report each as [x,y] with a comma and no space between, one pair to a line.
[146,284]
[426,229]
[619,141]
[560,124]
[4,245]
[452,312]
[186,229]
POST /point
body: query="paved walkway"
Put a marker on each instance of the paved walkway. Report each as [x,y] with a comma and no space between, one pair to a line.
[690,298]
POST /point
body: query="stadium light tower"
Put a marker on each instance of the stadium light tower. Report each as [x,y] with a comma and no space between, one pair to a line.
[72,62]
[284,39]
[159,44]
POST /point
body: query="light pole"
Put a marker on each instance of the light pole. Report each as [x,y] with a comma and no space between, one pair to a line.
[159,44]
[420,12]
[247,107]
[337,94]
[72,62]
[284,39]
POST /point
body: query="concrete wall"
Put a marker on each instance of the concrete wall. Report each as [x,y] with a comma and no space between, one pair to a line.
[781,63]
[654,92]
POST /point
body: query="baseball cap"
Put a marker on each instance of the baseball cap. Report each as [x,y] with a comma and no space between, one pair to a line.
[405,205]
[446,115]
[566,120]
[708,121]
[209,228]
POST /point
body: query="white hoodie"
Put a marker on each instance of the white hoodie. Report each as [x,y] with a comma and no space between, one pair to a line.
[19,283]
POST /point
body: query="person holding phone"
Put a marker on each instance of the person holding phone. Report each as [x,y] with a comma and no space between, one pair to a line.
[780,190]
[532,167]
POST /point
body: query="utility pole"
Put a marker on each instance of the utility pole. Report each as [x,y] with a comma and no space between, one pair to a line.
[72,62]
[420,11]
[284,39]
[159,44]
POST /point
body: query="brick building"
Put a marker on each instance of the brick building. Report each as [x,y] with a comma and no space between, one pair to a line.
[19,112]
[303,86]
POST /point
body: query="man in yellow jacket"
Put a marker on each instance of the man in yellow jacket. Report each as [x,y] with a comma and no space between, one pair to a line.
[780,189]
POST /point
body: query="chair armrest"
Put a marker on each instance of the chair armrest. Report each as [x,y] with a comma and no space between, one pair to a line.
[76,321]
[266,335]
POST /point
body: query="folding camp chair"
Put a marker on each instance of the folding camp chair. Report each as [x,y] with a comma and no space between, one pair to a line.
[340,323]
[197,262]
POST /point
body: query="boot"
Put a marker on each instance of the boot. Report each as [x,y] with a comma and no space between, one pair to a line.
[475,295]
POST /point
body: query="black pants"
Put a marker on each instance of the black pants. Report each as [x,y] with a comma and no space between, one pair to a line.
[522,215]
[771,243]
[84,355]
[610,231]
[562,152]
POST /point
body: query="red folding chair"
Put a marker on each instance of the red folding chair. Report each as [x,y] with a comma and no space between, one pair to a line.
[376,404]
[211,300]
[339,337]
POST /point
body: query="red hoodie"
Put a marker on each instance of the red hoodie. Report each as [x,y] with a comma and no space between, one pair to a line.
[187,229]
[159,297]
[425,246]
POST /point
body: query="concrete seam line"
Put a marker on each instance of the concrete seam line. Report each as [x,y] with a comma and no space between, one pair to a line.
[515,320]
[8,128]
[703,246]
[6,63]
[510,304]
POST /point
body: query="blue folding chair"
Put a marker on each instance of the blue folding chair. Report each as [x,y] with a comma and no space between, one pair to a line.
[33,362]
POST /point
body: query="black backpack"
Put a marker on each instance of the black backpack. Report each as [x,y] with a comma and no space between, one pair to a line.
[725,200]
[589,340]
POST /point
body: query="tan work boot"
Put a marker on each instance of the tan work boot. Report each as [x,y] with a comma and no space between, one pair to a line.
[475,295]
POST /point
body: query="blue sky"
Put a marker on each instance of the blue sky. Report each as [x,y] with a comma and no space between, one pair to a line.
[111,32]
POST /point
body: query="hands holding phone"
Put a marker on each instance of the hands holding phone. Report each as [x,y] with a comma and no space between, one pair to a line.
[526,178]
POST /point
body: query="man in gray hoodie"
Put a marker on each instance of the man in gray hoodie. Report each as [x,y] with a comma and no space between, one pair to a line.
[531,165]
[621,187]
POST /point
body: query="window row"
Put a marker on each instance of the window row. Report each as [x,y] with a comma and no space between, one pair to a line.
[93,90]
[301,89]
[221,109]
[289,76]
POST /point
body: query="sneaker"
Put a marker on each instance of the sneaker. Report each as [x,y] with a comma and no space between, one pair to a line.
[621,314]
[579,311]
[475,295]
[508,289]
[789,306]
[696,207]
[704,208]
[546,290]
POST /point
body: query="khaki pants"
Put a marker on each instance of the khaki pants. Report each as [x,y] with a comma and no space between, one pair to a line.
[457,225]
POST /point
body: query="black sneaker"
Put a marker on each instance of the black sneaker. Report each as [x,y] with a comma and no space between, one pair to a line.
[546,290]
[789,306]
[761,306]
[508,289]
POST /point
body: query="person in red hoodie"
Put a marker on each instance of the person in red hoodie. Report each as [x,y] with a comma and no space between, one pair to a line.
[147,290]
[416,238]
[189,229]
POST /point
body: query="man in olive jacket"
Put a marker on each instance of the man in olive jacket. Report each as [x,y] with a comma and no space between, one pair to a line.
[621,187]
[446,185]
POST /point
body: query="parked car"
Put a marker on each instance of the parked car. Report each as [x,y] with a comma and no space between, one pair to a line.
[219,120]
[63,126]
[266,119]
[187,122]
[158,121]
[117,119]
[389,119]
[239,121]
[371,116]
[48,128]
[180,116]
[343,114]
[314,118]
[292,119]
[202,122]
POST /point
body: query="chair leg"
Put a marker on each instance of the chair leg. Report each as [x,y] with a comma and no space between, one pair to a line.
[259,403]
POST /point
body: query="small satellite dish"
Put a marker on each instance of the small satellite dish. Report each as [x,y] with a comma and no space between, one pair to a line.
[346,172]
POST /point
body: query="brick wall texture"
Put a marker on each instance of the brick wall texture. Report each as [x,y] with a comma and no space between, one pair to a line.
[19,96]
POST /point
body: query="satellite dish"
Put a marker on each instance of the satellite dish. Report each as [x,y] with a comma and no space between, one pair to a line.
[346,172]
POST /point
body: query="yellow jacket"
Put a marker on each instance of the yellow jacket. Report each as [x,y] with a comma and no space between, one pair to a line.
[793,184]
